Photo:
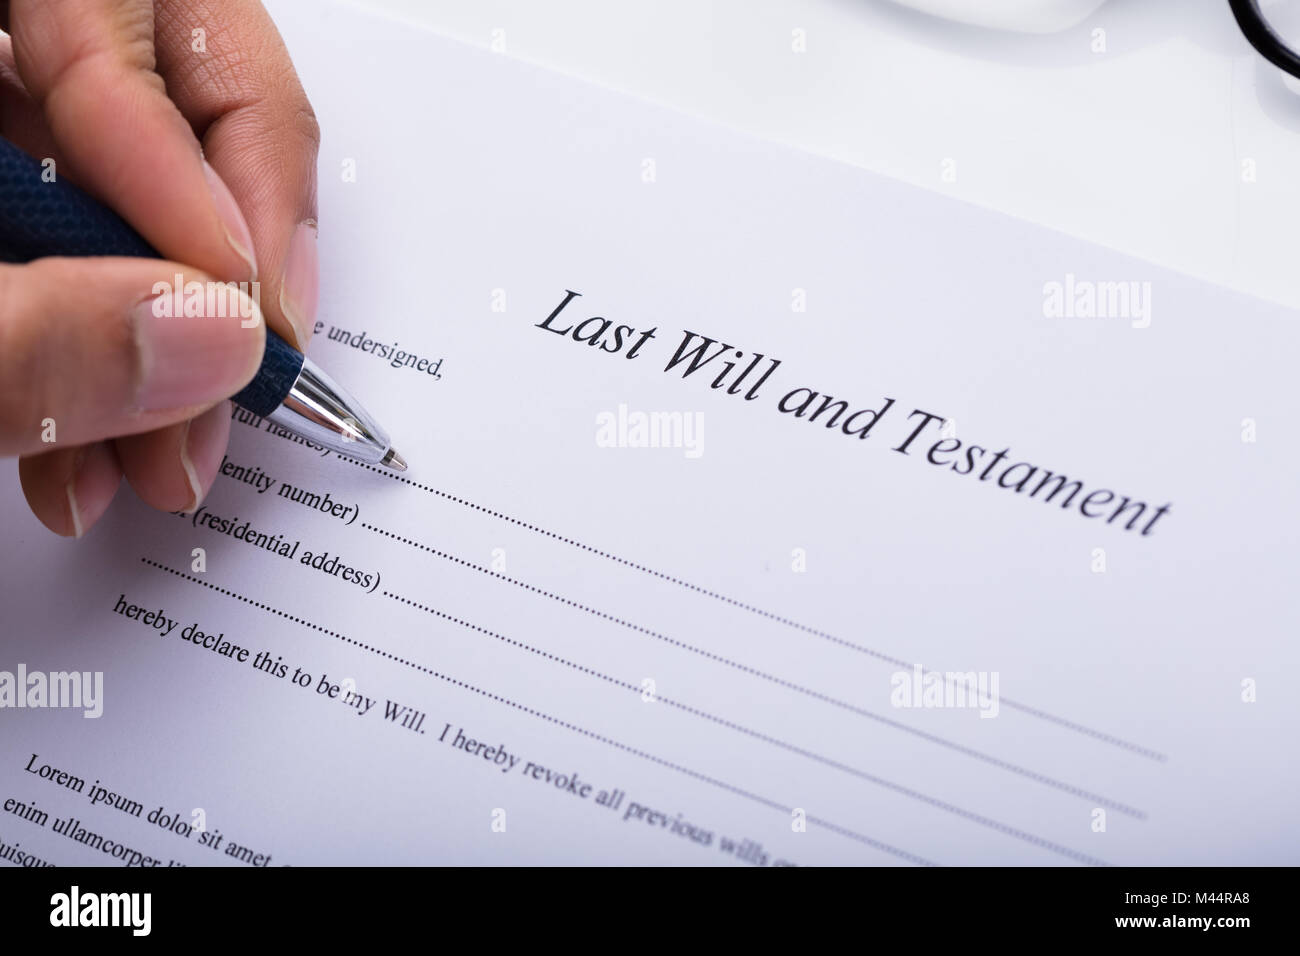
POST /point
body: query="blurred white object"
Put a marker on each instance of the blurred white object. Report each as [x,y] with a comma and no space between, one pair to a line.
[1025,16]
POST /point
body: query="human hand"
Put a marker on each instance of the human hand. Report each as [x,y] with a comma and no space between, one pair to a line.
[186,117]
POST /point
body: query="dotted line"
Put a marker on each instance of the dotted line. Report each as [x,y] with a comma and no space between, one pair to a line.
[756,798]
[288,617]
[772,678]
[1003,828]
[789,622]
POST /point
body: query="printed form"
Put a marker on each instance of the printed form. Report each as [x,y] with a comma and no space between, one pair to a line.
[761,512]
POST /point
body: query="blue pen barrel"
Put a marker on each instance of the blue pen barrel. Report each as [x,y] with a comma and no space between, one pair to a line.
[281,364]
[43,215]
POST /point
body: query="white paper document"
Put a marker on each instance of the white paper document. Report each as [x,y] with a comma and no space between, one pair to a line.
[760,511]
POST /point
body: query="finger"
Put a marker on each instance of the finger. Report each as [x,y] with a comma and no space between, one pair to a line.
[89,64]
[70,488]
[96,348]
[230,75]
[21,120]
[174,467]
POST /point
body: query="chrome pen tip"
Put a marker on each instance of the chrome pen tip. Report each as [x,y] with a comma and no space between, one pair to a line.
[394,461]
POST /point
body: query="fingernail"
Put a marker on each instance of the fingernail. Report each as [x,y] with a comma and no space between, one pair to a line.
[196,489]
[300,288]
[237,233]
[191,360]
[70,489]
[203,444]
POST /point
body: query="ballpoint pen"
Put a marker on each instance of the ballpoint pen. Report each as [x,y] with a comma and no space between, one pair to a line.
[55,218]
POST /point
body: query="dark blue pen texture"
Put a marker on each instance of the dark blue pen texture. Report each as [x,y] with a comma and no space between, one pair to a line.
[41,218]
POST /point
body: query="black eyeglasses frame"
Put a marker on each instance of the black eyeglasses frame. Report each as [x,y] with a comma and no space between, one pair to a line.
[1262,37]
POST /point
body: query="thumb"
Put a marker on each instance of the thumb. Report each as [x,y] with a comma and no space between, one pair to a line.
[97,348]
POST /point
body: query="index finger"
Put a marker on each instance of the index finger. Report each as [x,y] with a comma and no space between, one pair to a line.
[90,65]
[229,73]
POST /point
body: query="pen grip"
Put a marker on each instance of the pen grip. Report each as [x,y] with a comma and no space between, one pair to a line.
[42,215]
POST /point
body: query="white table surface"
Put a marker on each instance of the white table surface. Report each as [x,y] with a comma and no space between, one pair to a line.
[1146,147]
